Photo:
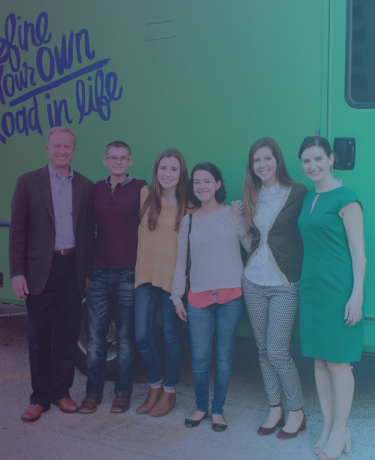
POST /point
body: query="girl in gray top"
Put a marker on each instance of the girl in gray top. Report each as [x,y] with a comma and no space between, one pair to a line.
[215,297]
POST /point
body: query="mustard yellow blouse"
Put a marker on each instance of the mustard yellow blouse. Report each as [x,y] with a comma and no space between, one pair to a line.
[157,250]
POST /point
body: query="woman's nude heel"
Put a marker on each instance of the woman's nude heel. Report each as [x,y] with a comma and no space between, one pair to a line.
[339,442]
[348,446]
[327,427]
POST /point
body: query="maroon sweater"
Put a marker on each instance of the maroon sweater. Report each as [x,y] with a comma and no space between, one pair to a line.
[117,217]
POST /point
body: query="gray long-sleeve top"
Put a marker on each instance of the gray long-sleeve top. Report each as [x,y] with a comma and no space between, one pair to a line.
[215,253]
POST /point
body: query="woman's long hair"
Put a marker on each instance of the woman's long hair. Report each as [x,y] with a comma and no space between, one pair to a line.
[153,200]
[253,183]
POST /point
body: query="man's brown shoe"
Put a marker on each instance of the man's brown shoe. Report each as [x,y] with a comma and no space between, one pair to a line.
[164,405]
[34,412]
[90,404]
[120,404]
[66,405]
[151,400]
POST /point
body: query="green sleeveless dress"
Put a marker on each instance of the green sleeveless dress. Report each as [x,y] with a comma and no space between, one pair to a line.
[327,280]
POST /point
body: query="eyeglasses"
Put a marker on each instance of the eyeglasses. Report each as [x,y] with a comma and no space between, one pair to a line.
[116,159]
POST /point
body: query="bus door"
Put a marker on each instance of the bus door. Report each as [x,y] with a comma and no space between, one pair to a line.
[351,120]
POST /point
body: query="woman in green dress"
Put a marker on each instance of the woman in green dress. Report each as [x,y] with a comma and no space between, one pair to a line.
[331,291]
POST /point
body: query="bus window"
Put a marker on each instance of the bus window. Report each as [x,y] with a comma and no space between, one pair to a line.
[360,54]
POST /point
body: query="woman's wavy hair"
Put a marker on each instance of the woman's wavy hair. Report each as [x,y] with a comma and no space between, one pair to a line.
[220,194]
[317,141]
[153,200]
[252,182]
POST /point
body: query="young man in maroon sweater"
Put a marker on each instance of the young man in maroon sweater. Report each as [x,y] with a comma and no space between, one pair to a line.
[116,202]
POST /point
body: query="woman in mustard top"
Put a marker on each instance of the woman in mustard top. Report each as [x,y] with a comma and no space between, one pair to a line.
[163,205]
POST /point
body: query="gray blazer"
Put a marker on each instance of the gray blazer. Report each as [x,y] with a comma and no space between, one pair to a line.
[32,228]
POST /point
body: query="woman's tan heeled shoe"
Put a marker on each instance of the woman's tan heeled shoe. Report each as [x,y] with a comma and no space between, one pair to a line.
[339,442]
[327,427]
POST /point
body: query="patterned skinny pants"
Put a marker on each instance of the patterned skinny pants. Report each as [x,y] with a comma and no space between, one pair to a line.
[272,311]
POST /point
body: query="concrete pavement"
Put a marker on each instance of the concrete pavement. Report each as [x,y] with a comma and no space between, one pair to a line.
[103,435]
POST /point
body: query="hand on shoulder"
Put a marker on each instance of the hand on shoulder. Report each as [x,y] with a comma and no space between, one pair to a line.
[237,208]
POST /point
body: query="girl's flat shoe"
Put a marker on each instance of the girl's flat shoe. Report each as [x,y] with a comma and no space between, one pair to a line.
[339,442]
[219,427]
[189,423]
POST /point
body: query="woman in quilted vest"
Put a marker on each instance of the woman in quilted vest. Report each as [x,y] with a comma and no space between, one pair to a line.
[270,281]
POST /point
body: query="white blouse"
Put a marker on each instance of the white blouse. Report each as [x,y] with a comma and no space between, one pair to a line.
[260,270]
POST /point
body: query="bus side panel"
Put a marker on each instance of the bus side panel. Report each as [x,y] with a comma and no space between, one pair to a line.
[229,74]
[347,121]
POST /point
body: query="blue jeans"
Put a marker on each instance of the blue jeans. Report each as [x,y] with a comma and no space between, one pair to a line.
[146,304]
[110,289]
[225,318]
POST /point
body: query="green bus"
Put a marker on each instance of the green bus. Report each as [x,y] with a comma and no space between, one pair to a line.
[207,77]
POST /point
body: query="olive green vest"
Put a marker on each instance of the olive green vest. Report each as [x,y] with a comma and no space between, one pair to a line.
[284,238]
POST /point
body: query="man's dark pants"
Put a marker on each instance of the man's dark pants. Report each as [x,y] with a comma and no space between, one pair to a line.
[54,322]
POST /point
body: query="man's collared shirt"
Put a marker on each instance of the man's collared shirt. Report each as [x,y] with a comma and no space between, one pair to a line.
[128,179]
[62,197]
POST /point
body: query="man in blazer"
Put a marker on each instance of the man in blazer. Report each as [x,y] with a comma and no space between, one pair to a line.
[51,235]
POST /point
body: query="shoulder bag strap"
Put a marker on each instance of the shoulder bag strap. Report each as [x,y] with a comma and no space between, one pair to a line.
[188,249]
